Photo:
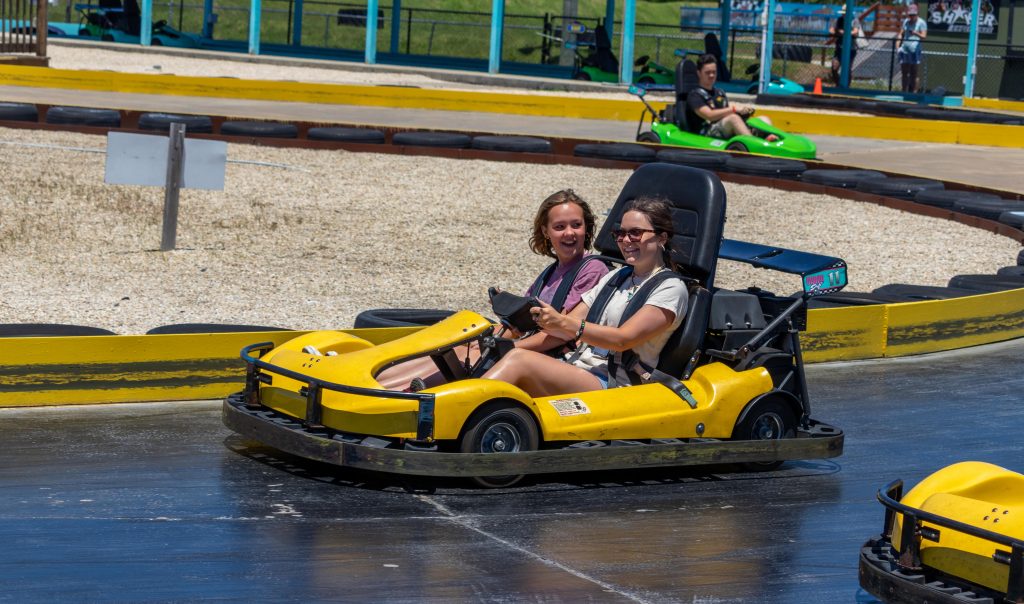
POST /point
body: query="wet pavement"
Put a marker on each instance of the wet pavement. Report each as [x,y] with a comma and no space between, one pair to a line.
[159,502]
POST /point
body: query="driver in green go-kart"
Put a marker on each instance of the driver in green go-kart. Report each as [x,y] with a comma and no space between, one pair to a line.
[710,105]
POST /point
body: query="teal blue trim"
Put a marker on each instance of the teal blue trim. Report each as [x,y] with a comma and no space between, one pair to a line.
[255,8]
[497,25]
[725,28]
[396,25]
[626,52]
[146,33]
[371,31]
[767,39]
[609,18]
[844,68]
[297,24]
[972,50]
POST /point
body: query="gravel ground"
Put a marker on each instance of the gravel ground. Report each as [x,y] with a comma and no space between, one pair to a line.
[309,243]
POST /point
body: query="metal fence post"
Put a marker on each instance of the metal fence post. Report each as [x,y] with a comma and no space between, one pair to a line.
[175,166]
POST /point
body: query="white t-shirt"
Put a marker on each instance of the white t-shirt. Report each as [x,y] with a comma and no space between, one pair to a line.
[670,294]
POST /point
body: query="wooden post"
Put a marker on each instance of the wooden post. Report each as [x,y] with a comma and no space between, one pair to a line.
[175,165]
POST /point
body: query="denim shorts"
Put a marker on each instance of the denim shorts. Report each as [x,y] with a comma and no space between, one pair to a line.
[601,375]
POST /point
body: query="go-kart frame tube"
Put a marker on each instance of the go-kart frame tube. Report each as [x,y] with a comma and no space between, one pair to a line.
[244,413]
[909,555]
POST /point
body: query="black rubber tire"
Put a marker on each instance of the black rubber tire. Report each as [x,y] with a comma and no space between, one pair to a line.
[919,293]
[84,116]
[400,317]
[649,137]
[499,427]
[519,144]
[903,188]
[209,328]
[945,199]
[18,112]
[988,209]
[767,419]
[1014,219]
[767,166]
[348,135]
[1020,258]
[582,76]
[619,151]
[450,140]
[986,283]
[201,124]
[259,129]
[695,158]
[845,179]
[737,146]
[1011,271]
[44,330]
[954,115]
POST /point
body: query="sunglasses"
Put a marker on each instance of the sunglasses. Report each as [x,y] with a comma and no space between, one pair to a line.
[633,234]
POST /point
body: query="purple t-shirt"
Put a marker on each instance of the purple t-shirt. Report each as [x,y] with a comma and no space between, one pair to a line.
[586,279]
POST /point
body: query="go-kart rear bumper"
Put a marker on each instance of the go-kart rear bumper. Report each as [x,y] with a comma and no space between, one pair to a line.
[289,434]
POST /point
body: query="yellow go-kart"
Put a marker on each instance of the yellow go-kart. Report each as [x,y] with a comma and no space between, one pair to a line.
[958,536]
[729,387]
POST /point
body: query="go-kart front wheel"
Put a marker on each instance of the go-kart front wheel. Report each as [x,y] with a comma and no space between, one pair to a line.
[500,427]
[649,137]
[767,419]
[737,146]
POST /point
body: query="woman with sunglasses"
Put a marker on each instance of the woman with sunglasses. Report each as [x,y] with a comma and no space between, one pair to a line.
[563,228]
[644,238]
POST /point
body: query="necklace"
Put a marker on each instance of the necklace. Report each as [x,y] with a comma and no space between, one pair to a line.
[636,286]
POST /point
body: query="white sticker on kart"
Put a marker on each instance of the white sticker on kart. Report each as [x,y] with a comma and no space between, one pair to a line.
[717,143]
[570,406]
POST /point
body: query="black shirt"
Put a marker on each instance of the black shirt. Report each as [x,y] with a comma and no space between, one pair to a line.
[701,97]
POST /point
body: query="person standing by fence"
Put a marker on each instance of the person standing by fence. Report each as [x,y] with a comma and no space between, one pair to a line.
[836,31]
[913,30]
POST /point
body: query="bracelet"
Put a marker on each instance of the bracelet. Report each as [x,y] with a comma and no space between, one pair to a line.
[733,108]
[579,332]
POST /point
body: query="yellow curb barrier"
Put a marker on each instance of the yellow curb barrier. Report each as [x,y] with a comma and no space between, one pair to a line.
[935,131]
[107,369]
[995,104]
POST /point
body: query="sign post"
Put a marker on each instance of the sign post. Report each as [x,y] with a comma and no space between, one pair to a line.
[175,165]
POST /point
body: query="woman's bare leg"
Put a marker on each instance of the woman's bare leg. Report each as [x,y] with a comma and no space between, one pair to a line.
[540,375]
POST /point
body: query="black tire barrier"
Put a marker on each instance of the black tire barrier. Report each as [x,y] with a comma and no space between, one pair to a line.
[180,328]
[767,166]
[451,140]
[851,299]
[1011,271]
[903,188]
[517,144]
[620,151]
[260,129]
[48,330]
[919,293]
[348,135]
[1014,219]
[942,198]
[1020,258]
[201,124]
[987,283]
[959,115]
[695,158]
[18,112]
[989,209]
[84,116]
[845,179]
[399,317]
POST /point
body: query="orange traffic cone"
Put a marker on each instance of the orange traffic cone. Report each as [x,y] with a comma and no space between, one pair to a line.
[817,85]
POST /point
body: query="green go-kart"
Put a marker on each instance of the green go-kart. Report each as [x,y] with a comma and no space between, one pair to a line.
[667,129]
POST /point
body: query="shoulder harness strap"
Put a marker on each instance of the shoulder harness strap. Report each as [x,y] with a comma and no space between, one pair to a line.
[538,283]
[558,301]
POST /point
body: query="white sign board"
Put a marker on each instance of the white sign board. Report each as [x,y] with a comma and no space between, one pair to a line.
[141,159]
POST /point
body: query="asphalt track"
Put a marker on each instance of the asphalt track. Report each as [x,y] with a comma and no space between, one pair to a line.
[159,502]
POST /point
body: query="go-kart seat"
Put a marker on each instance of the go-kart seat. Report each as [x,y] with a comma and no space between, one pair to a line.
[686,80]
[714,48]
[603,58]
[698,214]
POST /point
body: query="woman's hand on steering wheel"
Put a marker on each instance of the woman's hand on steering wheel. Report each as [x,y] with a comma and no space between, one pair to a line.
[551,321]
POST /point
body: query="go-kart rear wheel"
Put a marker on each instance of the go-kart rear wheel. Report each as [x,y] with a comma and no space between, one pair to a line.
[645,81]
[583,76]
[649,137]
[499,427]
[736,147]
[766,419]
